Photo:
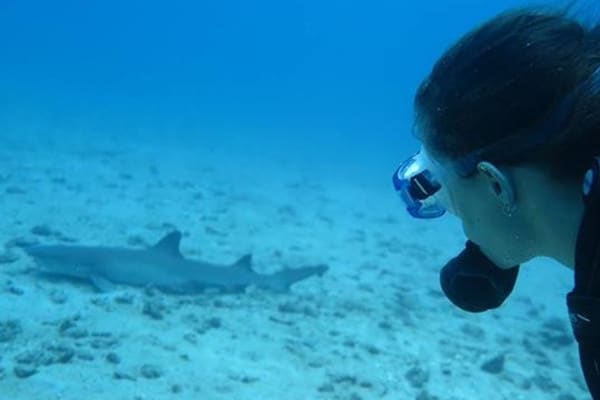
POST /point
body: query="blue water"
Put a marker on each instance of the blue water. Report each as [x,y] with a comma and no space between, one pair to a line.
[333,72]
[322,87]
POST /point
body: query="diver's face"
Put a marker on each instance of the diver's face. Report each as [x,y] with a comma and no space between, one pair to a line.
[486,204]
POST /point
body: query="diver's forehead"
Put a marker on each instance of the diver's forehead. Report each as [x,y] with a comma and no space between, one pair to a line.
[431,162]
[433,154]
[443,166]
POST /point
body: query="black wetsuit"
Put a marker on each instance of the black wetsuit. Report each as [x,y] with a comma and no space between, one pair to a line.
[584,300]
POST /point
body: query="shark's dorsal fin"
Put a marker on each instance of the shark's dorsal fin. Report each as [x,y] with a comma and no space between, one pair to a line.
[169,244]
[244,262]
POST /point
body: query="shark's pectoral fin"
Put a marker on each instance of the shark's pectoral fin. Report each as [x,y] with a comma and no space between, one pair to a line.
[103,284]
[244,262]
[169,244]
[281,281]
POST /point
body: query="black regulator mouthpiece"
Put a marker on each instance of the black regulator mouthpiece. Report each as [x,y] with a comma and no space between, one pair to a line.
[474,283]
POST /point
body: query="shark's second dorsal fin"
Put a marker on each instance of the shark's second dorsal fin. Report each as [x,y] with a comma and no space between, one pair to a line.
[169,244]
[244,262]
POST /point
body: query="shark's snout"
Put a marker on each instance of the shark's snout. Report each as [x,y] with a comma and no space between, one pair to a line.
[46,255]
[40,251]
[33,250]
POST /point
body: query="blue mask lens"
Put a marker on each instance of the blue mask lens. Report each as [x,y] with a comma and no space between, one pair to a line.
[418,188]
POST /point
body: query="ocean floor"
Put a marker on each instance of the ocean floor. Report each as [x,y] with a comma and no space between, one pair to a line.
[375,326]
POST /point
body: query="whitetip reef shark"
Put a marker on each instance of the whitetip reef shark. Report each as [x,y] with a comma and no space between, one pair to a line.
[161,266]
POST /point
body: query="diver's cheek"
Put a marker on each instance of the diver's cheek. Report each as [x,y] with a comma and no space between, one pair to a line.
[450,202]
[493,245]
[479,233]
[505,260]
[469,232]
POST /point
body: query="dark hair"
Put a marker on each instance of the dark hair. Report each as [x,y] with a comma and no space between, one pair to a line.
[504,78]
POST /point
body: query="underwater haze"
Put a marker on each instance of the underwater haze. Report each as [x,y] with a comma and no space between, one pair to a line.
[263,128]
[283,77]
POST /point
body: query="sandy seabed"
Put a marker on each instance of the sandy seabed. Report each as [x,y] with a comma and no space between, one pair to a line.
[375,326]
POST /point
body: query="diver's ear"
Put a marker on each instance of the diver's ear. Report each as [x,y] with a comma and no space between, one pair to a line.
[499,184]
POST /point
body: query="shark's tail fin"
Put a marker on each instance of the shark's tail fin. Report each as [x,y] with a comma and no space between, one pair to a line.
[282,281]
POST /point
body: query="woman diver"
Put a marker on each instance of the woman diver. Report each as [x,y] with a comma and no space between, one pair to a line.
[509,123]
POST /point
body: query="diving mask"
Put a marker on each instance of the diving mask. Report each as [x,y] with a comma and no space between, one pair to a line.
[418,182]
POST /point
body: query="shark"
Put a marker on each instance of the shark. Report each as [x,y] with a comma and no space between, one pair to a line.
[160,266]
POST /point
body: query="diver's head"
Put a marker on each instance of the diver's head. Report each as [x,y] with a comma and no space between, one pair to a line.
[511,114]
